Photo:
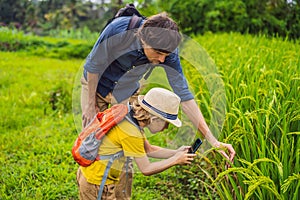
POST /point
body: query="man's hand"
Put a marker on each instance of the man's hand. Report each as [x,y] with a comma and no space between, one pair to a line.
[90,109]
[228,147]
[193,112]
[88,114]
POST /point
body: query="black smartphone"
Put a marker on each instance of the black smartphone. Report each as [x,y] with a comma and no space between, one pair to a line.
[195,146]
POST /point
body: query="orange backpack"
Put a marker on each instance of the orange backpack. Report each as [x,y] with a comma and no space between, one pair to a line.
[86,146]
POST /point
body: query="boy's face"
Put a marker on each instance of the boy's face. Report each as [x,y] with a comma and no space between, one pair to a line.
[157,125]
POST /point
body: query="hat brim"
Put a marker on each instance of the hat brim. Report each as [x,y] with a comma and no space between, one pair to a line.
[175,122]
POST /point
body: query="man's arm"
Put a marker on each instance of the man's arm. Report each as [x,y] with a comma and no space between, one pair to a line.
[90,109]
[191,109]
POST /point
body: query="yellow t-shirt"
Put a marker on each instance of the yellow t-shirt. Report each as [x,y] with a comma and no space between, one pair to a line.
[125,136]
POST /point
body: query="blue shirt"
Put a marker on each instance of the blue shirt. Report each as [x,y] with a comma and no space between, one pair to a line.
[119,58]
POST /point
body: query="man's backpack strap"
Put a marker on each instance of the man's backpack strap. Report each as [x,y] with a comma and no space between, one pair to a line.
[146,76]
[135,22]
[110,159]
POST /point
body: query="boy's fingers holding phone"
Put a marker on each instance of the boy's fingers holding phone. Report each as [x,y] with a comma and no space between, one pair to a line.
[183,157]
[183,148]
[190,157]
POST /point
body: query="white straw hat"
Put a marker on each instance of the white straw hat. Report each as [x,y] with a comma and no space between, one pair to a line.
[161,103]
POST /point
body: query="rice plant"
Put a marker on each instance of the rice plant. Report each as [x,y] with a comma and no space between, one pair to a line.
[262,83]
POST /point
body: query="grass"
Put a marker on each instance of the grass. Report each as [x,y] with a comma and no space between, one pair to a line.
[37,127]
[247,89]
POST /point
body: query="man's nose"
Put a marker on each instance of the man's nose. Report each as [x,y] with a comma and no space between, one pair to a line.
[161,58]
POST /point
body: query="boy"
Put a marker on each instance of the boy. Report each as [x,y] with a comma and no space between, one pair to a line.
[154,111]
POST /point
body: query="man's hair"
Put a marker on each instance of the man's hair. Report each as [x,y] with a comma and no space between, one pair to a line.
[160,32]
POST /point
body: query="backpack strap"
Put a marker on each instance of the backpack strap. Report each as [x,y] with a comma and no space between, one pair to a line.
[132,120]
[111,158]
[146,76]
[135,22]
[128,160]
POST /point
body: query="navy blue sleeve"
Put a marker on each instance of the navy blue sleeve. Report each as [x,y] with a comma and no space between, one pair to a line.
[176,78]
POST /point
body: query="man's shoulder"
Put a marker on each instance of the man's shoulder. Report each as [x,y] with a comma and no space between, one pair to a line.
[116,32]
[119,24]
[172,60]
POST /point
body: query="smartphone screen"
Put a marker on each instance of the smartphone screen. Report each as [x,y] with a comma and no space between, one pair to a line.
[195,146]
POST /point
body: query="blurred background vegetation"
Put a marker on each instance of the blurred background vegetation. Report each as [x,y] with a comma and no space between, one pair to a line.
[45,17]
[255,45]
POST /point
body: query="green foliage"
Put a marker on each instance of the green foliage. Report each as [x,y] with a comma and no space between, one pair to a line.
[60,98]
[37,129]
[262,119]
[272,17]
[256,16]
[261,80]
[13,11]
[38,163]
[12,40]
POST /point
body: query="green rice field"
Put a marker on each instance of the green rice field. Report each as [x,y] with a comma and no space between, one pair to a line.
[246,86]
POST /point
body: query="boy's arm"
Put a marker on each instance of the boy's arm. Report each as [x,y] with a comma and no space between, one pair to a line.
[148,168]
[161,153]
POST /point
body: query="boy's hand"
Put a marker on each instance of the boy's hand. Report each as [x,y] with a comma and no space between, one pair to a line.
[183,148]
[183,157]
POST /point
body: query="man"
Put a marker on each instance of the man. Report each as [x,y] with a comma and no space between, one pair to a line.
[121,57]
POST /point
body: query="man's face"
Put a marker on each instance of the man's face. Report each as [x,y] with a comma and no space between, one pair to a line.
[154,56]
